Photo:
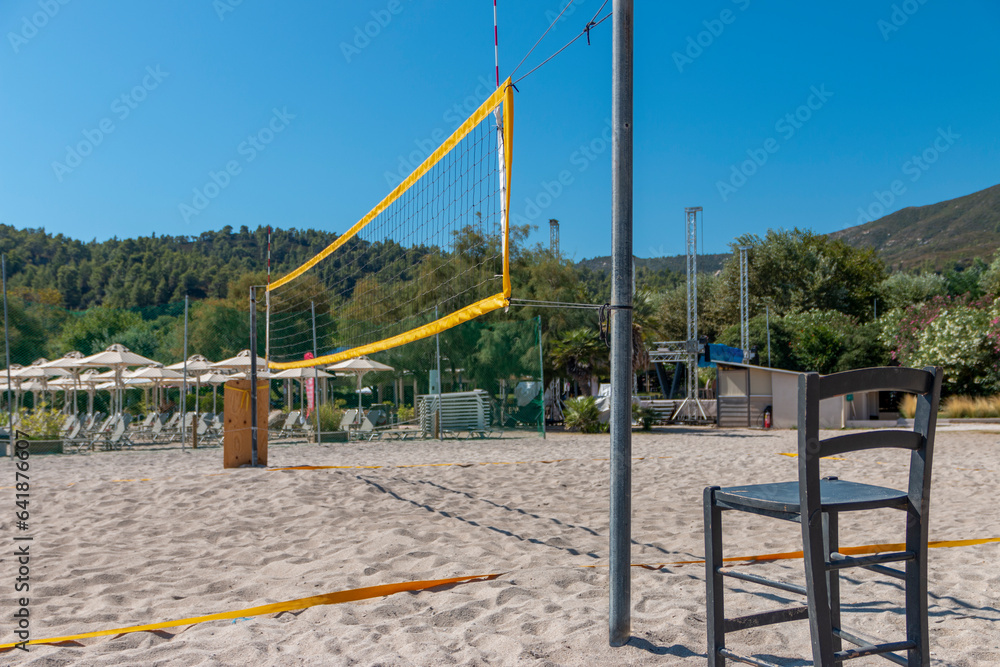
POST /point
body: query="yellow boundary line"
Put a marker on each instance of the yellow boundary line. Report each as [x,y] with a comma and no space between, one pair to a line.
[338,597]
[791,555]
[368,592]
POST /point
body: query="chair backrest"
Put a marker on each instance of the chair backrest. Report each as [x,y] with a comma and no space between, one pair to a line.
[74,430]
[118,431]
[378,416]
[291,421]
[349,418]
[813,388]
[108,423]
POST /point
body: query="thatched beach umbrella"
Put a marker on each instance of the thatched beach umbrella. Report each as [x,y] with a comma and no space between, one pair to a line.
[39,374]
[89,379]
[302,375]
[359,366]
[195,365]
[214,379]
[157,375]
[241,362]
[117,357]
[70,362]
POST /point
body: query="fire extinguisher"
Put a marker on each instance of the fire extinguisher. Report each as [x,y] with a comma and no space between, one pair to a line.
[767,417]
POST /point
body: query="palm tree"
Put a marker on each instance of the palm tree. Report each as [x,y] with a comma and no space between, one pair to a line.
[580,353]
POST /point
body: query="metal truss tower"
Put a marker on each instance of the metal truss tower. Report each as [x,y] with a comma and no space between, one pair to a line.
[744,305]
[554,236]
[691,404]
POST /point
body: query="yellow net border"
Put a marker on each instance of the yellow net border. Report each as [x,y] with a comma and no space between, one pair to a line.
[503,97]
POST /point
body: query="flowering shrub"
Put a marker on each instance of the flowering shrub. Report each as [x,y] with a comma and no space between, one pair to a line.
[961,336]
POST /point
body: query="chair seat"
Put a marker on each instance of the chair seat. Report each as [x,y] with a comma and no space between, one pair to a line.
[835,494]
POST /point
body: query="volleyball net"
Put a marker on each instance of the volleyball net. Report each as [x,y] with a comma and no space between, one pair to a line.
[431,255]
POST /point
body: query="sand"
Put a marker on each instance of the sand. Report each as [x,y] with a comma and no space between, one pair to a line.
[134,537]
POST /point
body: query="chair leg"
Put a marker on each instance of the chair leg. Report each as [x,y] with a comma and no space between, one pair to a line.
[820,626]
[715,611]
[916,589]
[832,543]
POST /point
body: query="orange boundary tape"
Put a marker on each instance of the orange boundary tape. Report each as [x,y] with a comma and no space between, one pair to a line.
[353,595]
[850,551]
[337,597]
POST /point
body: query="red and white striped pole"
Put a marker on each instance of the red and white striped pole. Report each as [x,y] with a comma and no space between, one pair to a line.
[496,43]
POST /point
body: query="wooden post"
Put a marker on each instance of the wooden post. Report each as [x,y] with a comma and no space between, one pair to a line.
[237,446]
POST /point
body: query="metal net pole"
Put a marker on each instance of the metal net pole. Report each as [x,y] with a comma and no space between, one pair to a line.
[619,617]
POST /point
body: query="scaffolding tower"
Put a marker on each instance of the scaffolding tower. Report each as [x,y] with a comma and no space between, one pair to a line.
[691,409]
[744,305]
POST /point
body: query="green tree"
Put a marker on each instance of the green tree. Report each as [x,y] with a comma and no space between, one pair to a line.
[901,289]
[27,334]
[965,280]
[579,355]
[989,281]
[218,331]
[95,329]
[799,270]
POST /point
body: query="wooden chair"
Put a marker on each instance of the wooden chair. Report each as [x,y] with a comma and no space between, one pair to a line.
[815,503]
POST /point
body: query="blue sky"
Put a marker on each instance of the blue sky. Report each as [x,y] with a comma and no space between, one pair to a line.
[775,114]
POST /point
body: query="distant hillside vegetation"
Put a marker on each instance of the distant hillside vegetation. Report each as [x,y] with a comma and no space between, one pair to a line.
[677,263]
[935,236]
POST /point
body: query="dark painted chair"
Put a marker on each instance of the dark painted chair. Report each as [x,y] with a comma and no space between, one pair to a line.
[820,501]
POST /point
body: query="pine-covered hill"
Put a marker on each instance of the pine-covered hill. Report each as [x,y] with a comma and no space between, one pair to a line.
[150,270]
[935,237]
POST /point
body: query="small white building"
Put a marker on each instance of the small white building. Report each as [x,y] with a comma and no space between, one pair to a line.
[744,391]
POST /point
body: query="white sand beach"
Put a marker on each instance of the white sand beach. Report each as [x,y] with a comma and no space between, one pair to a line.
[135,537]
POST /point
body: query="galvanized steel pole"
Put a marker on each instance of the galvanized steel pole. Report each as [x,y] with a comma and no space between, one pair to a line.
[184,382]
[319,436]
[253,376]
[6,348]
[767,315]
[619,618]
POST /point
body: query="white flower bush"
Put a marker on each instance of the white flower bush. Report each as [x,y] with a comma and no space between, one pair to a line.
[961,337]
